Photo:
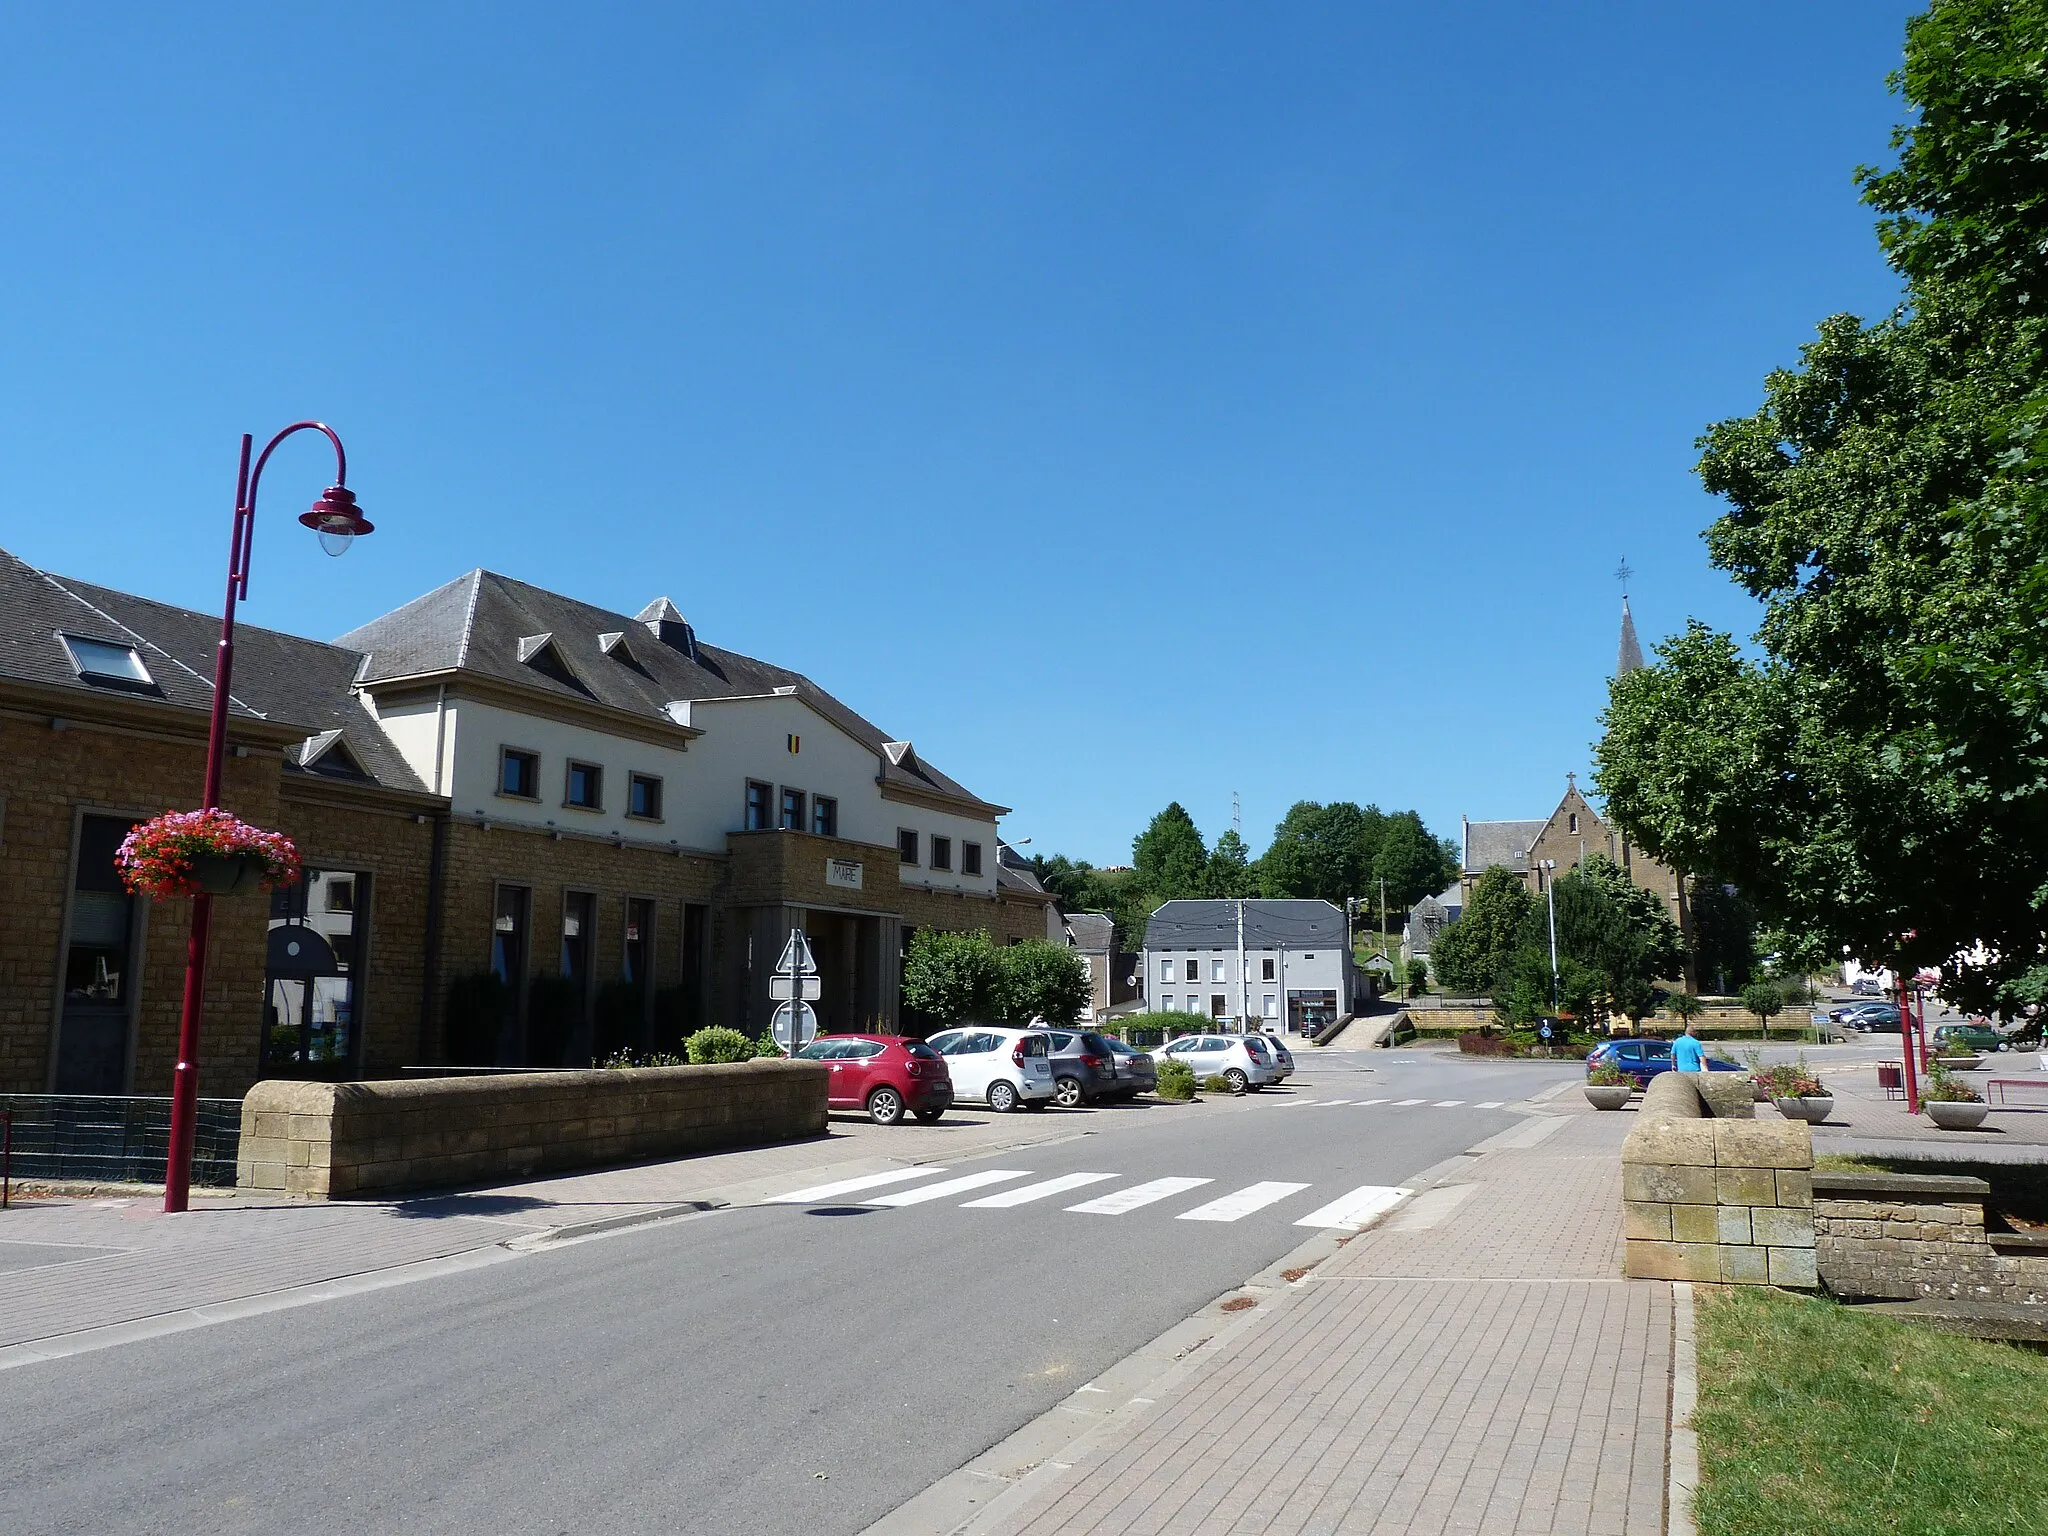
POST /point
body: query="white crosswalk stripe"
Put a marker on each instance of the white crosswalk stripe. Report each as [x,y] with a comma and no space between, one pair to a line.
[1122,1200]
[1038,1191]
[848,1186]
[1404,1103]
[1489,1104]
[1356,1208]
[1368,1103]
[1447,1103]
[946,1187]
[1253,1197]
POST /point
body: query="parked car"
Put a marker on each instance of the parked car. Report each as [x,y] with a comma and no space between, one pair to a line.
[1867,1018]
[1084,1068]
[1867,986]
[884,1075]
[1643,1059]
[1227,1056]
[1135,1069]
[1973,1036]
[1281,1054]
[1001,1066]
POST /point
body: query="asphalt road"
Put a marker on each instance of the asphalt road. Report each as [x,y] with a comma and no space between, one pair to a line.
[775,1368]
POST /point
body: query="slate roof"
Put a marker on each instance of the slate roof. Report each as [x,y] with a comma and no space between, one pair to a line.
[1278,924]
[1506,843]
[1093,931]
[277,676]
[478,622]
[1014,872]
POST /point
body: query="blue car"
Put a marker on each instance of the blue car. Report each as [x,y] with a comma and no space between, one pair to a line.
[1643,1059]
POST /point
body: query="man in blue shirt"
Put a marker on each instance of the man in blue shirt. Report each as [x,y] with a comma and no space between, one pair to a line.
[1687,1054]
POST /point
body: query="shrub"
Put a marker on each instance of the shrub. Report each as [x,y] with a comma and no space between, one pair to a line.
[718,1044]
[1042,980]
[1788,1080]
[766,1046]
[1149,1031]
[1942,1087]
[1483,1042]
[619,1060]
[953,976]
[1215,1082]
[1607,1076]
[1176,1080]
[477,1008]
[1418,977]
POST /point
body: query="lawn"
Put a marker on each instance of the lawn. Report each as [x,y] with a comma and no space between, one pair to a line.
[1817,1420]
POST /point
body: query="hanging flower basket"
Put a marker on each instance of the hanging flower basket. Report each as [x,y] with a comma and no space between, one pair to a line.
[212,853]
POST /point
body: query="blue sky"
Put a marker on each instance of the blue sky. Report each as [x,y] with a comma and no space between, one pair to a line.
[1127,403]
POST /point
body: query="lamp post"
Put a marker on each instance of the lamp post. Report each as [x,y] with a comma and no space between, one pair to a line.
[335,518]
[1550,891]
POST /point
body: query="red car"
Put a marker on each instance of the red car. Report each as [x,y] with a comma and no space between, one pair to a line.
[884,1075]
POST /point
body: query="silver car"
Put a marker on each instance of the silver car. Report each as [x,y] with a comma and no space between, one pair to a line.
[1229,1057]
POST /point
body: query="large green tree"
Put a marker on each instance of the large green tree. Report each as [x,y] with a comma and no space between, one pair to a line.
[954,977]
[1876,776]
[1470,955]
[1169,857]
[1042,980]
[1413,862]
[1322,851]
[1230,873]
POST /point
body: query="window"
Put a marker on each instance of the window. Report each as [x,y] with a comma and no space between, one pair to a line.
[757,805]
[942,853]
[310,1023]
[1575,821]
[970,858]
[824,816]
[1166,969]
[791,817]
[1272,1010]
[93,1039]
[906,845]
[643,796]
[1216,1005]
[1215,970]
[1166,1005]
[105,661]
[579,928]
[639,940]
[1194,971]
[1266,969]
[585,787]
[518,773]
[508,935]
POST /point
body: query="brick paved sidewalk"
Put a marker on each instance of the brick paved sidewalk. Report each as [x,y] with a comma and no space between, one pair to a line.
[1476,1365]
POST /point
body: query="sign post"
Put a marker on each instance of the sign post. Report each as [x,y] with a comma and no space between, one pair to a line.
[794,987]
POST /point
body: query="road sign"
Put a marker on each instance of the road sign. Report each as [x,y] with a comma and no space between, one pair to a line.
[780,988]
[796,956]
[806,1027]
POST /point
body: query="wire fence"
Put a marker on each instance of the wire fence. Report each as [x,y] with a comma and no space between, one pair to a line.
[116,1139]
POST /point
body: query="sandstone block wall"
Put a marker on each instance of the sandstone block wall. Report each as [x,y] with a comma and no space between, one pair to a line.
[337,1140]
[1912,1237]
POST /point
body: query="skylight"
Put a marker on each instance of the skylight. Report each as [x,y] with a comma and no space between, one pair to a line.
[107,661]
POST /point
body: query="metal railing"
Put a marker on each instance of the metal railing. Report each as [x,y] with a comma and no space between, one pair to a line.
[115,1139]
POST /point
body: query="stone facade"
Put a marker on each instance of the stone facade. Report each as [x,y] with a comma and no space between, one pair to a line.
[1918,1237]
[341,1140]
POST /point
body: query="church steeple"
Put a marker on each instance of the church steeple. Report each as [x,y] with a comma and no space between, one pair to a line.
[1631,656]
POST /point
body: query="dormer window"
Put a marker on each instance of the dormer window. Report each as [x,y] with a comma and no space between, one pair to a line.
[541,653]
[614,645]
[109,663]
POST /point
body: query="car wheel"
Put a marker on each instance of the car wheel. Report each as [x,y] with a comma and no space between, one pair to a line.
[885,1106]
[1002,1098]
[928,1116]
[1068,1092]
[1236,1080]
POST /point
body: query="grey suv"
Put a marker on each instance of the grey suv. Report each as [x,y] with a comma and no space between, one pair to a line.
[1084,1068]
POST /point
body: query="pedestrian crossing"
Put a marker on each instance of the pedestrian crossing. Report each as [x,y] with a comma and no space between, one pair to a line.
[1348,1211]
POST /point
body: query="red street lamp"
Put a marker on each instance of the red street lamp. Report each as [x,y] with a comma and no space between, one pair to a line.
[338,522]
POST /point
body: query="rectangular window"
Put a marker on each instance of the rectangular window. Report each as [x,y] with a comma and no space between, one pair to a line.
[508,936]
[758,796]
[1215,970]
[1216,1005]
[584,788]
[906,845]
[1166,969]
[1194,971]
[970,858]
[311,1021]
[1272,1006]
[99,991]
[791,818]
[1266,969]
[639,956]
[519,773]
[643,796]
[824,816]
[942,853]
[1166,1004]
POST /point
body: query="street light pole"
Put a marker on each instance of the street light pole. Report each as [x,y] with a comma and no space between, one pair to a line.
[335,518]
[1550,893]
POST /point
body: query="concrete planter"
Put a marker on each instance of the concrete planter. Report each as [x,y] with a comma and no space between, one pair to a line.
[1608,1095]
[1812,1110]
[1956,1115]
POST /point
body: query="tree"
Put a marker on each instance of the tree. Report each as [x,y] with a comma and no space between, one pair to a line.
[1765,1001]
[1876,775]
[1042,980]
[1684,1007]
[1169,856]
[1724,937]
[1323,852]
[1230,874]
[1418,976]
[953,976]
[1471,953]
[1412,862]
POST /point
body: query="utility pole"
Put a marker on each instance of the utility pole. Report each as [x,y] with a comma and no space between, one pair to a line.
[1383,913]
[1550,893]
[1243,998]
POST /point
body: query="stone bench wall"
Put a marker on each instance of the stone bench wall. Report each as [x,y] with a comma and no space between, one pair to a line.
[1918,1237]
[337,1140]
[1720,1198]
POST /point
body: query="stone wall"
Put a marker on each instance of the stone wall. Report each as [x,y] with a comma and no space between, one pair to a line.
[1918,1237]
[1716,1199]
[338,1140]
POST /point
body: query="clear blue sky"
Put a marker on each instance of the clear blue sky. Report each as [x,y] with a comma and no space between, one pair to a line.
[1127,403]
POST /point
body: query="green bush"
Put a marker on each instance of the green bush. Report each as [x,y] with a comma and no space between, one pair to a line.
[621,1059]
[766,1046]
[1149,1031]
[1176,1080]
[718,1044]
[1215,1082]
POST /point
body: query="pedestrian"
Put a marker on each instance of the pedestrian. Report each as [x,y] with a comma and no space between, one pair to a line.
[1687,1054]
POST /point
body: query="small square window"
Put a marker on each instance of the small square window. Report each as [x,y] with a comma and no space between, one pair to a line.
[942,853]
[1215,970]
[906,845]
[585,788]
[824,816]
[758,796]
[970,858]
[1166,970]
[108,661]
[1194,971]
[1266,969]
[791,818]
[643,796]
[519,773]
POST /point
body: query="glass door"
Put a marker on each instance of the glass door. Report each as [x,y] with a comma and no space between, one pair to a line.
[97,1023]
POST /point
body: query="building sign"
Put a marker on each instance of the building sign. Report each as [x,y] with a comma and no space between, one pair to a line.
[844,873]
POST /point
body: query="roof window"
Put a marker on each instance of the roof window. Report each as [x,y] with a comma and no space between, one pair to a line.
[111,663]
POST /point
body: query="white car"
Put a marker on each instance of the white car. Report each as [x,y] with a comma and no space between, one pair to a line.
[1225,1056]
[1002,1066]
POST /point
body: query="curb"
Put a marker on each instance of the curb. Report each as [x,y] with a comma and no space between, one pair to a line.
[603,1224]
[1682,1458]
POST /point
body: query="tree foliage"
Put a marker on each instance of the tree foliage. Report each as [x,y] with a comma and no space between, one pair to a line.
[1230,874]
[1169,857]
[1041,980]
[1323,852]
[1469,955]
[1413,863]
[953,976]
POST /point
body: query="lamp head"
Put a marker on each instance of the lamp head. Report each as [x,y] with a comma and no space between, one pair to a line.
[336,519]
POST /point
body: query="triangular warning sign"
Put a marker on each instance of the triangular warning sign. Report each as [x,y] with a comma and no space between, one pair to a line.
[796,956]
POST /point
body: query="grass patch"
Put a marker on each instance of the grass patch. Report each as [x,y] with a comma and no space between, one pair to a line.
[1817,1420]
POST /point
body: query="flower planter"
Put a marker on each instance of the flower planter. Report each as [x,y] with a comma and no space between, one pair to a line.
[227,874]
[1956,1114]
[1812,1109]
[1608,1095]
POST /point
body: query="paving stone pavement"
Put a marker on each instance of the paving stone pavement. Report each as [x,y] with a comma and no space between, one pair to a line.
[1475,1365]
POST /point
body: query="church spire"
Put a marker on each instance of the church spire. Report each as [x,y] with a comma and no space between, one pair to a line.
[1630,658]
